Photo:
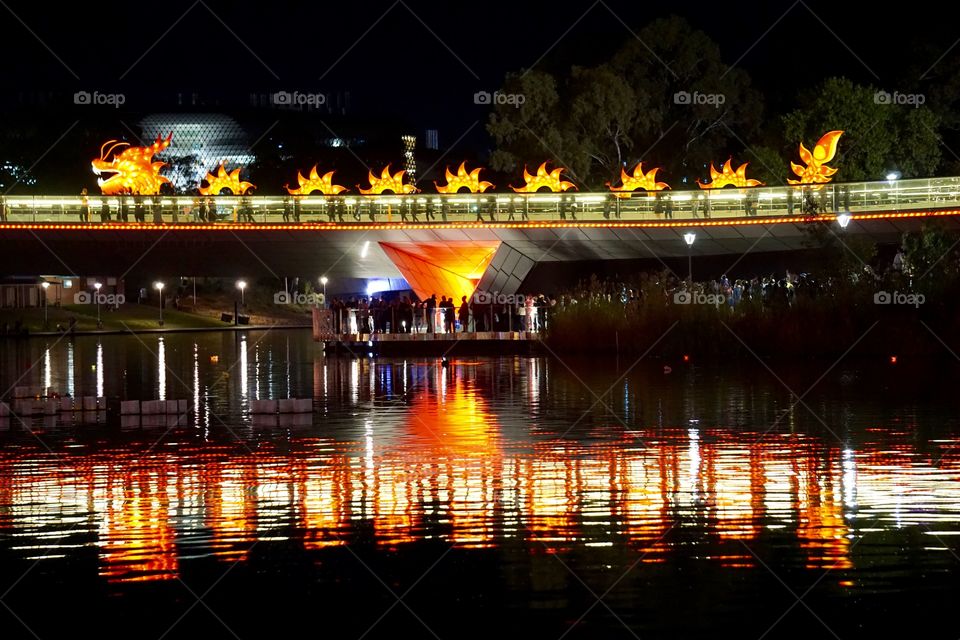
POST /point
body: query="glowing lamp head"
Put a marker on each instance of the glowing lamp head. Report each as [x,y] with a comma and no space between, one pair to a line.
[45,285]
[158,286]
[689,238]
[241,284]
[893,359]
[97,285]
[893,175]
[324,280]
[843,220]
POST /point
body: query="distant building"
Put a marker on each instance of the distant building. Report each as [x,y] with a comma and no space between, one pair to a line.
[431,140]
[409,161]
[200,143]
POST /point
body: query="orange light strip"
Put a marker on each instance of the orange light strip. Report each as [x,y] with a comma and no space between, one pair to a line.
[315,226]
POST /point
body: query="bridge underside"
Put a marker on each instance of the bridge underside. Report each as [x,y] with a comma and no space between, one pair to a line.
[498,256]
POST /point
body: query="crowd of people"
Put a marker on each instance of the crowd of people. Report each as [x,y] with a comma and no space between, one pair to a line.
[480,312]
[769,291]
[805,200]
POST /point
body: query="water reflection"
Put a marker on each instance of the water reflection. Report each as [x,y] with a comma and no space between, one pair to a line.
[475,455]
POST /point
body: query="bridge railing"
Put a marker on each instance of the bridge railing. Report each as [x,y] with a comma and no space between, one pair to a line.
[425,208]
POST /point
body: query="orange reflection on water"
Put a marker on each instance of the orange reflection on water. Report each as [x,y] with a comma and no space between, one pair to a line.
[137,542]
[442,464]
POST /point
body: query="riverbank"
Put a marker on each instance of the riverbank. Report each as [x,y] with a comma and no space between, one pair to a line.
[135,318]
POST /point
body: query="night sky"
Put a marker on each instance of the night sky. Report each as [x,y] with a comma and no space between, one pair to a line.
[421,62]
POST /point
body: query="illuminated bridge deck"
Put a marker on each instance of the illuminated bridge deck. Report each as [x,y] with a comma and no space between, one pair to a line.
[756,205]
[446,242]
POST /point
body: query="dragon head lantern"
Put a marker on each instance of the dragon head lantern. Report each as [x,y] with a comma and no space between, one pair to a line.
[133,168]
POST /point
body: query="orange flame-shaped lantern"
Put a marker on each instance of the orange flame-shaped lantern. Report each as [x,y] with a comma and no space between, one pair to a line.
[549,179]
[638,180]
[387,182]
[463,179]
[816,169]
[729,177]
[223,180]
[315,183]
[133,168]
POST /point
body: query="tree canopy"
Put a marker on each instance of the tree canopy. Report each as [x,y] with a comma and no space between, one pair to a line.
[668,98]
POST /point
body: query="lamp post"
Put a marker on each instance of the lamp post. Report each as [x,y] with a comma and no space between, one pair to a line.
[689,238]
[97,285]
[324,281]
[241,284]
[843,220]
[45,285]
[159,286]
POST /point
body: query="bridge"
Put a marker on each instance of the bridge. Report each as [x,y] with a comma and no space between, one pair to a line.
[444,242]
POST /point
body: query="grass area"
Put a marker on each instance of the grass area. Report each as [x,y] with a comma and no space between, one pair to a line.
[129,317]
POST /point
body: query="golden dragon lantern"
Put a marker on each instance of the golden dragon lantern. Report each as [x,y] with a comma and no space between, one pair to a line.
[637,180]
[133,168]
[387,182]
[816,170]
[463,180]
[315,182]
[549,179]
[223,180]
[729,177]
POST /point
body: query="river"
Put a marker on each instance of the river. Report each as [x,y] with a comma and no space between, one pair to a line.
[516,496]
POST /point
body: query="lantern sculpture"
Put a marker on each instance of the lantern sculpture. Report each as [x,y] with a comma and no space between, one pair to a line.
[223,180]
[387,182]
[638,180]
[729,177]
[549,179]
[816,170]
[133,169]
[471,181]
[316,183]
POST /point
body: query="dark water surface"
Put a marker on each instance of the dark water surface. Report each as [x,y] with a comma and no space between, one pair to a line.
[496,497]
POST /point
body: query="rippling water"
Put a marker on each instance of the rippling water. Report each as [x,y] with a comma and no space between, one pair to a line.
[513,495]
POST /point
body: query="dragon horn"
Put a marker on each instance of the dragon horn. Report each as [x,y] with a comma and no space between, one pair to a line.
[110,150]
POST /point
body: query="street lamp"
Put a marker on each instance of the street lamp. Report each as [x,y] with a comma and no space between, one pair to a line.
[892,176]
[97,285]
[843,220]
[689,238]
[241,284]
[159,286]
[45,285]
[324,281]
